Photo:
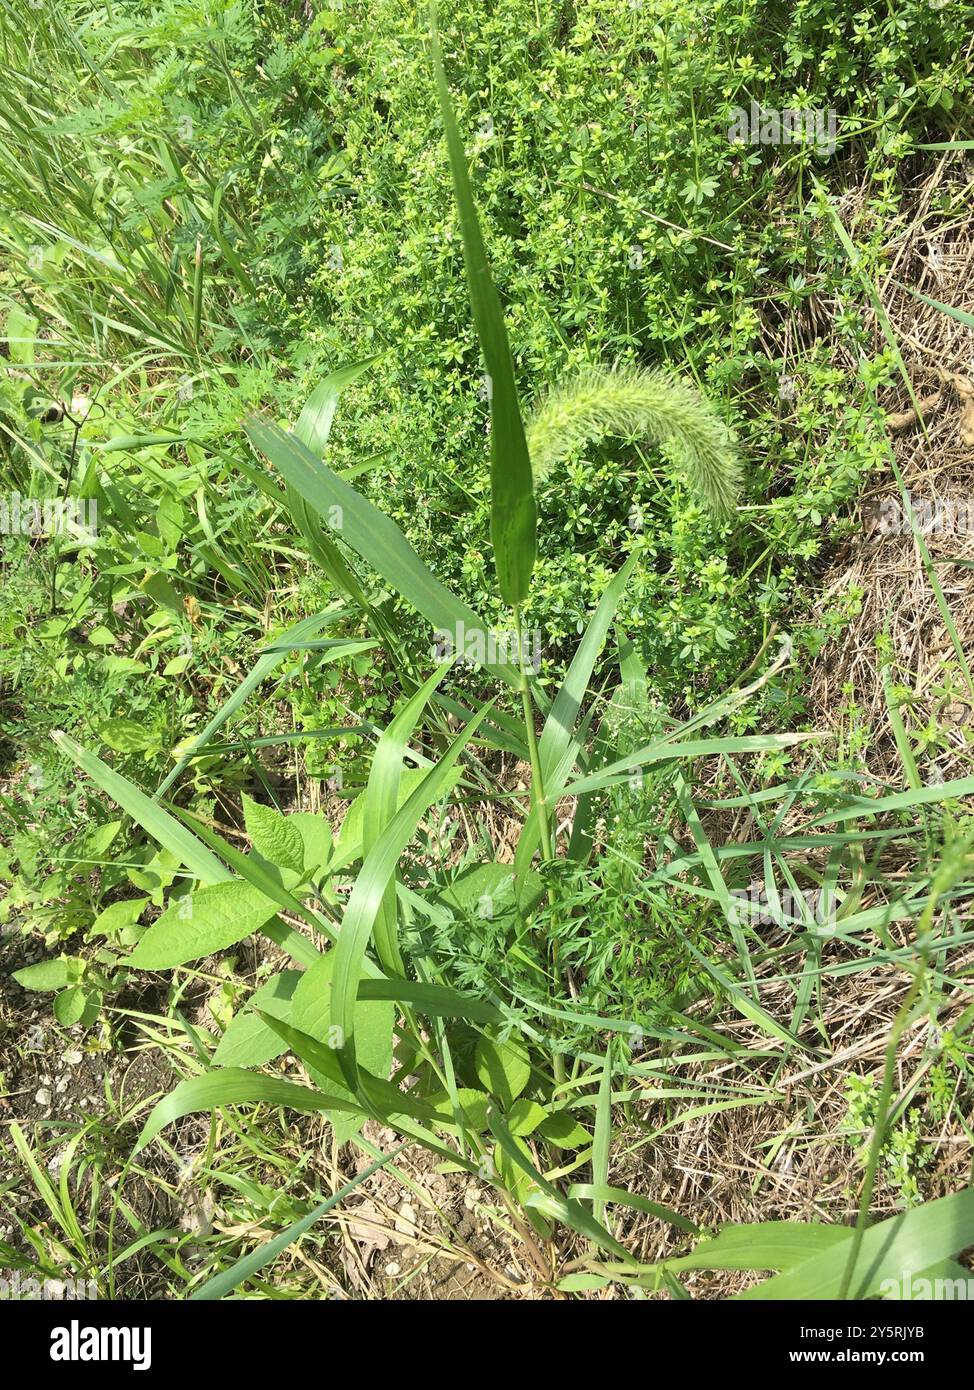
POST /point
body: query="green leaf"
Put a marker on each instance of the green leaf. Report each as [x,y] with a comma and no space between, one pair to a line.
[232,1086]
[274,836]
[201,923]
[911,1240]
[370,533]
[126,736]
[437,1001]
[563,1130]
[50,974]
[503,1069]
[525,1116]
[366,896]
[70,1005]
[549,1200]
[380,802]
[383,1097]
[513,516]
[767,1245]
[488,891]
[250,1042]
[315,421]
[350,844]
[602,1194]
[262,669]
[117,917]
[473,1106]
[177,839]
[374,1019]
[162,593]
[558,748]
[316,839]
[94,844]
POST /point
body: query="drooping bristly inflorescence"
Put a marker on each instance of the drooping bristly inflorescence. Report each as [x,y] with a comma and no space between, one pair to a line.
[629,402]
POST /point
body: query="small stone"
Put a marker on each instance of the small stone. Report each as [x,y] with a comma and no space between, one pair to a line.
[406,1220]
[43,1097]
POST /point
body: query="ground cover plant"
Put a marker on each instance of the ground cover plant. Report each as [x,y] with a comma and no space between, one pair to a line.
[424,738]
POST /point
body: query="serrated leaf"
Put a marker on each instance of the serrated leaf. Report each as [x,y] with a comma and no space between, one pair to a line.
[317,840]
[275,837]
[211,919]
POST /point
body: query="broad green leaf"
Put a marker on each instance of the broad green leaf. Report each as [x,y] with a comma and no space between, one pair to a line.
[126,736]
[502,1068]
[374,1021]
[488,891]
[117,917]
[513,515]
[274,836]
[562,1129]
[209,920]
[161,590]
[516,1177]
[383,1097]
[69,1006]
[50,974]
[316,839]
[525,1116]
[250,1042]
[94,845]
[473,1106]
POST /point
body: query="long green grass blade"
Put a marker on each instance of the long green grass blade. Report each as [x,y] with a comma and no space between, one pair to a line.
[371,534]
[513,515]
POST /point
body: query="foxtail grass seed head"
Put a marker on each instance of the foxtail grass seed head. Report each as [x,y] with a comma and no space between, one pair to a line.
[628,402]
